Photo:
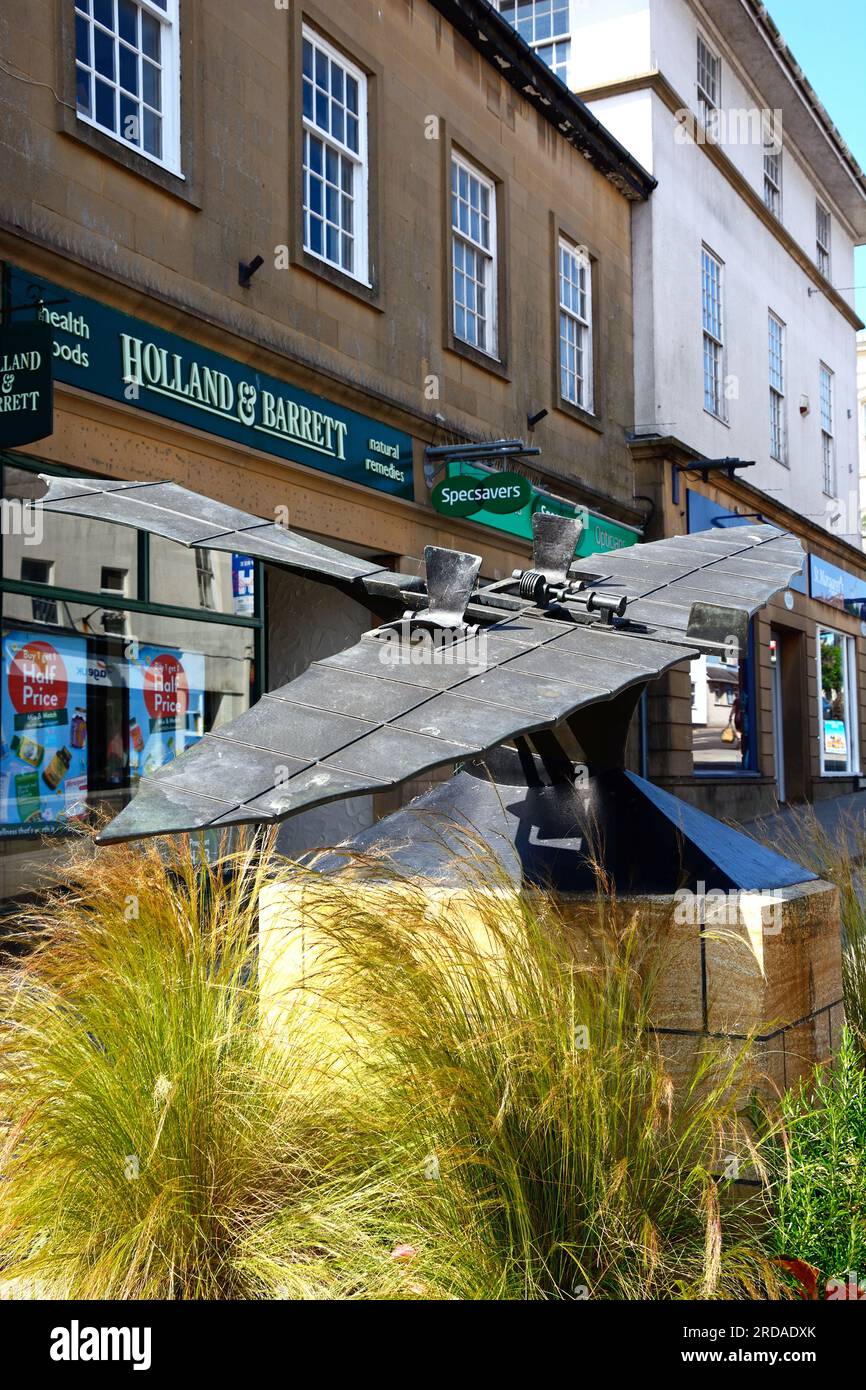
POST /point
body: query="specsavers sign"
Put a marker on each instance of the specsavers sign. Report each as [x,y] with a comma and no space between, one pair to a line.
[125,359]
[599,532]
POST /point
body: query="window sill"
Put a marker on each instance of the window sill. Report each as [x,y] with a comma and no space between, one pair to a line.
[494,365]
[340,279]
[99,140]
[719,419]
[583,417]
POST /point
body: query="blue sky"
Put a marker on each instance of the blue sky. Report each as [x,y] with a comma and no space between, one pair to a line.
[829,42]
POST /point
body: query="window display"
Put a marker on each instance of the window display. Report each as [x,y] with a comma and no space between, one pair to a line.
[117,655]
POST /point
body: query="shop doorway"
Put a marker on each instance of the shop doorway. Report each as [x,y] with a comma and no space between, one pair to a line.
[788,692]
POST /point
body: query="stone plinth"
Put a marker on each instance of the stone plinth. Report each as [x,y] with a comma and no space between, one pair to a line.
[734,965]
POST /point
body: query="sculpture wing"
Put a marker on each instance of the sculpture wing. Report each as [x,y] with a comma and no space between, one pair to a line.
[171,511]
[376,715]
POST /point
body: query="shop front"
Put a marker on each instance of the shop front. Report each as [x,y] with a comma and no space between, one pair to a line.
[780,721]
[119,650]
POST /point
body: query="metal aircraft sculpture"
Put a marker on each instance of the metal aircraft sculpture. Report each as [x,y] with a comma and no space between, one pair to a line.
[528,683]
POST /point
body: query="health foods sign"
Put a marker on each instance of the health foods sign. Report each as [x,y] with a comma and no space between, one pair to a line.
[115,355]
[25,384]
[599,532]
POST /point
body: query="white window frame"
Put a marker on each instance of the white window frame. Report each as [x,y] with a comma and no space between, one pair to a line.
[169,21]
[708,101]
[583,326]
[537,44]
[710,339]
[823,249]
[778,413]
[359,161]
[828,437]
[772,177]
[852,726]
[489,254]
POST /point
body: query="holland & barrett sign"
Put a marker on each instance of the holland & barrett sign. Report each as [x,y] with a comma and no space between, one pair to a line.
[25,383]
[112,354]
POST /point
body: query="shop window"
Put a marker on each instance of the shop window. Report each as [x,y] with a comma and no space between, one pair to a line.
[127,73]
[215,581]
[100,683]
[723,703]
[334,97]
[838,714]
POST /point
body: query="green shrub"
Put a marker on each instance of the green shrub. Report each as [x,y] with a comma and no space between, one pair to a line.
[819,1168]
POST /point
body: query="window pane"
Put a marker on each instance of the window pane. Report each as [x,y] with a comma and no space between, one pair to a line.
[103,12]
[150,36]
[82,92]
[152,133]
[105,107]
[103,50]
[835,723]
[721,712]
[150,85]
[128,69]
[82,40]
[127,15]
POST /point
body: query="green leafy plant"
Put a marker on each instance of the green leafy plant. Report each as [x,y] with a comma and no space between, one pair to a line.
[819,1167]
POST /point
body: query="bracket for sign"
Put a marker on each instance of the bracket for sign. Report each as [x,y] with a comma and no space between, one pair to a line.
[31,304]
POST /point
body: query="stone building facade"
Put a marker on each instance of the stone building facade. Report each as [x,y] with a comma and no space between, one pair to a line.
[445,253]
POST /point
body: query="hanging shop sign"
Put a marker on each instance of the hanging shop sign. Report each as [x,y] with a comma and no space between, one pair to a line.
[112,354]
[500,493]
[837,587]
[26,405]
[599,532]
[43,733]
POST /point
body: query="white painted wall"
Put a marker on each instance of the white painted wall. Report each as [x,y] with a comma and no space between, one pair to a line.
[694,204]
[861,416]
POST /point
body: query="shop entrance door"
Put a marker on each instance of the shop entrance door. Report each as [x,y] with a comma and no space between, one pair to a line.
[788,703]
[776,649]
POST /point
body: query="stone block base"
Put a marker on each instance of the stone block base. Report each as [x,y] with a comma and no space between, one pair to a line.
[734,966]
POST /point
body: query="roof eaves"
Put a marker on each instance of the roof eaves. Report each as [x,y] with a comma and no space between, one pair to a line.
[500,45]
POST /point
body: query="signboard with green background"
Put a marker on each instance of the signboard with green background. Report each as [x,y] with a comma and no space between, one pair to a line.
[599,532]
[112,354]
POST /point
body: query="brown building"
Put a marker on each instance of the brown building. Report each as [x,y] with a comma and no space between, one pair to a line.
[444,234]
